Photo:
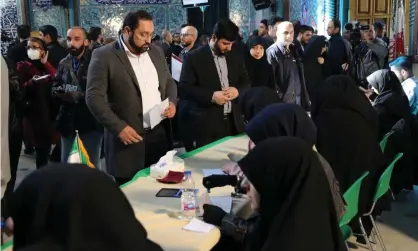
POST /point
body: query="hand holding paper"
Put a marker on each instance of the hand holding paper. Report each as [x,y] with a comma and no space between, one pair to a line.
[156,114]
[170,111]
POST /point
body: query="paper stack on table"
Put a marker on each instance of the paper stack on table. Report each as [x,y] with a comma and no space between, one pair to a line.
[199,226]
[209,172]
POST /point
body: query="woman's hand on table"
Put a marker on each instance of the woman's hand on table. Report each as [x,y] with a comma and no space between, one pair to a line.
[213,214]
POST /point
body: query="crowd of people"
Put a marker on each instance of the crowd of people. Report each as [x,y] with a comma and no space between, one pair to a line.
[314,109]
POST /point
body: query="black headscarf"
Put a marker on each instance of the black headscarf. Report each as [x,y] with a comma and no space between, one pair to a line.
[391,103]
[282,120]
[340,92]
[259,71]
[314,48]
[315,73]
[74,207]
[255,99]
[294,194]
[347,136]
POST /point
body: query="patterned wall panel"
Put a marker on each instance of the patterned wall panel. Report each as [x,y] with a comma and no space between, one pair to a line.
[9,21]
[110,16]
[52,15]
[308,12]
[242,13]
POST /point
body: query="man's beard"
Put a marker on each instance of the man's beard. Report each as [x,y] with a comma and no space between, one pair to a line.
[218,51]
[186,44]
[76,51]
[137,49]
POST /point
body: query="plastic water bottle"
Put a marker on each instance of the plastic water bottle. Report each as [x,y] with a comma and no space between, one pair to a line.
[188,197]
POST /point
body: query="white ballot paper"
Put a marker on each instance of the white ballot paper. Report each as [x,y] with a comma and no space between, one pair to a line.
[209,172]
[155,115]
[224,202]
[199,226]
[176,64]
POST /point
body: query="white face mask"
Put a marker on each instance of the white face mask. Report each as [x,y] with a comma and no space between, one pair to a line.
[34,54]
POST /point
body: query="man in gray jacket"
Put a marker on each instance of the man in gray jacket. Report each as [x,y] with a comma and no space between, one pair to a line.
[373,52]
[125,80]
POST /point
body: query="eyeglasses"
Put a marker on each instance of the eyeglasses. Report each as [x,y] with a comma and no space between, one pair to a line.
[33,48]
[185,35]
[145,35]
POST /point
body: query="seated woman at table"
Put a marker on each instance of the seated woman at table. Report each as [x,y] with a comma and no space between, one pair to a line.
[394,115]
[391,103]
[73,207]
[288,188]
[279,120]
[347,137]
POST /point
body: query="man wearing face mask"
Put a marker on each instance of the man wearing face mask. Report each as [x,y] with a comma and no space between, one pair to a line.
[287,67]
[210,83]
[126,79]
[70,88]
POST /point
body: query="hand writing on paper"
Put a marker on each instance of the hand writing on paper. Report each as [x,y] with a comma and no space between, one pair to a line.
[231,93]
[170,111]
[129,136]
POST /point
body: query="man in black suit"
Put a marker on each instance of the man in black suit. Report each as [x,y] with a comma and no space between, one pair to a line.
[125,80]
[18,52]
[210,82]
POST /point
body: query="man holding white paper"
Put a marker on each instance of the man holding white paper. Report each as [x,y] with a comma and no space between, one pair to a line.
[126,80]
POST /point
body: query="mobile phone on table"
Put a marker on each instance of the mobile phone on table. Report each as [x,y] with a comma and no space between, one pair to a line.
[169,193]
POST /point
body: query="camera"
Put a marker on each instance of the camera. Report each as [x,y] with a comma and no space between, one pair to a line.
[354,29]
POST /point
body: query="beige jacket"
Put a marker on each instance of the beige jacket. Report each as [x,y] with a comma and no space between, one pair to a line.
[4,126]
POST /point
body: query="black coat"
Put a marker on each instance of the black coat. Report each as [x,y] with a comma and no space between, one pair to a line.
[276,60]
[17,53]
[337,54]
[74,116]
[198,81]
[315,73]
[56,53]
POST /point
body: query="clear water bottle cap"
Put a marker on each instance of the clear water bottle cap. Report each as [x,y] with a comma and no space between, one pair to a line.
[187,173]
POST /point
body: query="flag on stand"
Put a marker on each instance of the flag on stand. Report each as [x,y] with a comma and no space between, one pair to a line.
[397,29]
[78,154]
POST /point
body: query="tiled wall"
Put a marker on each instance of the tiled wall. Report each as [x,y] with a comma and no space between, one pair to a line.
[53,15]
[306,11]
[242,12]
[110,16]
[9,20]
[310,12]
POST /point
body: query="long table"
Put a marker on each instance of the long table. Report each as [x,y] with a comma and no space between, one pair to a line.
[156,213]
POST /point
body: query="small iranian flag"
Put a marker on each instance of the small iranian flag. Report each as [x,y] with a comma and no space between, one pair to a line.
[78,154]
[397,39]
